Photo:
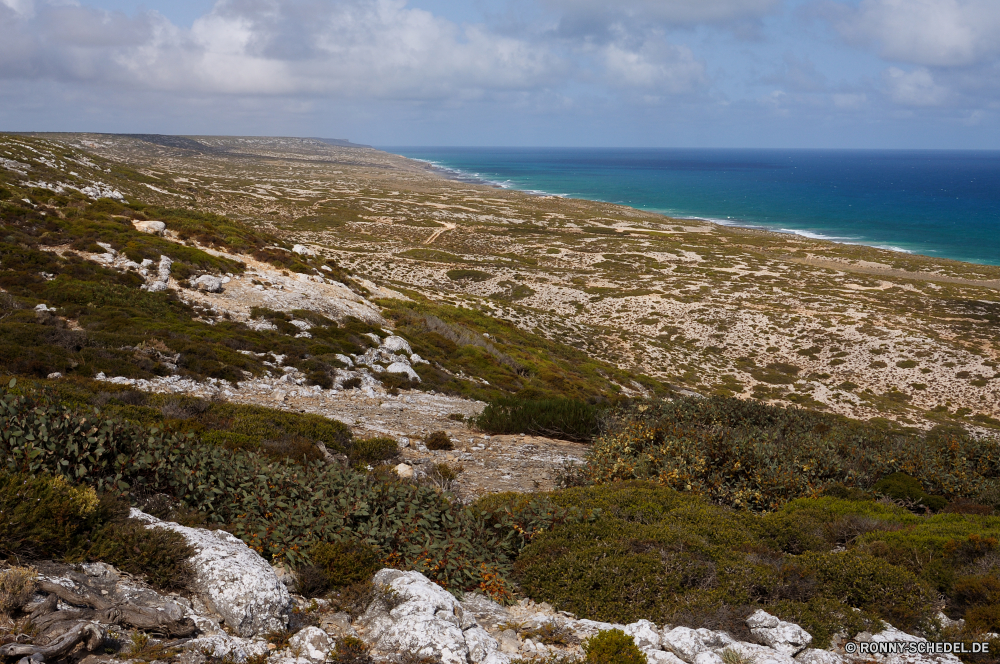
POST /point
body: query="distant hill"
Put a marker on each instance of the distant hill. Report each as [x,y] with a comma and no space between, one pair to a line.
[342,142]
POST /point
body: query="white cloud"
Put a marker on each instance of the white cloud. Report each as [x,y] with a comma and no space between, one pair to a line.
[348,47]
[669,11]
[849,101]
[943,33]
[656,66]
[915,88]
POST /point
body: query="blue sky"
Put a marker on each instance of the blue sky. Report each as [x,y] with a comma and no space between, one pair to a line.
[687,73]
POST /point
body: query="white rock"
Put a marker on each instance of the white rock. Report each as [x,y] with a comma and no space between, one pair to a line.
[814,656]
[396,344]
[644,633]
[404,471]
[400,368]
[157,286]
[303,250]
[416,359]
[223,646]
[498,658]
[374,337]
[715,639]
[758,653]
[425,621]
[311,643]
[232,579]
[480,644]
[785,637]
[54,374]
[163,268]
[707,657]
[346,360]
[209,283]
[654,656]
[684,642]
[151,227]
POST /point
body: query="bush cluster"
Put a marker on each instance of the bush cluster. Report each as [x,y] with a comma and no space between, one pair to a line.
[673,557]
[567,419]
[612,646]
[748,454]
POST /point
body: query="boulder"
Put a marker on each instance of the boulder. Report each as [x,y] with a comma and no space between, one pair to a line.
[684,642]
[303,250]
[785,637]
[404,471]
[232,579]
[814,656]
[708,657]
[151,227]
[480,644]
[229,648]
[209,283]
[400,368]
[644,633]
[311,643]
[757,653]
[396,344]
[654,656]
[426,620]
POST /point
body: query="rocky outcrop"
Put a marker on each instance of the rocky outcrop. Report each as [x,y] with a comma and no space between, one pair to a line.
[208,283]
[151,227]
[785,637]
[232,579]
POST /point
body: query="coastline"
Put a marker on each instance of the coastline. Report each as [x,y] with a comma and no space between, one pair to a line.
[459,175]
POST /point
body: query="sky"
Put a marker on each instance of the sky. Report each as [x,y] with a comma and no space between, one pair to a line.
[626,73]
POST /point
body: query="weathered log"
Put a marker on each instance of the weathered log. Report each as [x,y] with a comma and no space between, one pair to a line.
[139,617]
[45,607]
[90,634]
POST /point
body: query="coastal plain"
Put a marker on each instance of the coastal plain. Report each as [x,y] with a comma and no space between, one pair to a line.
[713,309]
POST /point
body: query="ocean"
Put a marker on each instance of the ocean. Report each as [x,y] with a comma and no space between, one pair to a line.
[944,204]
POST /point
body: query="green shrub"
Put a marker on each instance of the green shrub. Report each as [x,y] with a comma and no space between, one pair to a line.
[901,486]
[346,562]
[567,419]
[159,555]
[471,275]
[670,557]
[612,646]
[44,516]
[373,450]
[350,650]
[748,454]
[438,440]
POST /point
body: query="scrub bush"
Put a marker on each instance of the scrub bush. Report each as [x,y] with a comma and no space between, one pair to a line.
[612,646]
[438,440]
[748,454]
[567,419]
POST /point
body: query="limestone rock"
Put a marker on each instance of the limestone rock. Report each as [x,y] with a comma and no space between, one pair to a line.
[758,653]
[400,368]
[644,633]
[814,656]
[480,644]
[151,227]
[312,643]
[303,250]
[232,579]
[486,612]
[509,642]
[707,657]
[684,642]
[785,637]
[425,621]
[404,471]
[223,646]
[209,283]
[655,656]
[396,344]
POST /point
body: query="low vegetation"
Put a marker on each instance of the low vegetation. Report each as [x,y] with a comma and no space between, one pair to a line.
[568,419]
[673,557]
[748,454]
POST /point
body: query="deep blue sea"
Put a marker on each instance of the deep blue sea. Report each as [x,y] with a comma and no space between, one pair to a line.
[939,203]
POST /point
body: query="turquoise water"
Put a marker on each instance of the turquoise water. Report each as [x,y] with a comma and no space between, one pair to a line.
[938,203]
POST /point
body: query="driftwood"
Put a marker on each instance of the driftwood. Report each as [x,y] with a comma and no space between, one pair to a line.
[140,617]
[90,634]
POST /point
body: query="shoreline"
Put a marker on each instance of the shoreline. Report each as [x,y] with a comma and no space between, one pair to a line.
[457,175]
